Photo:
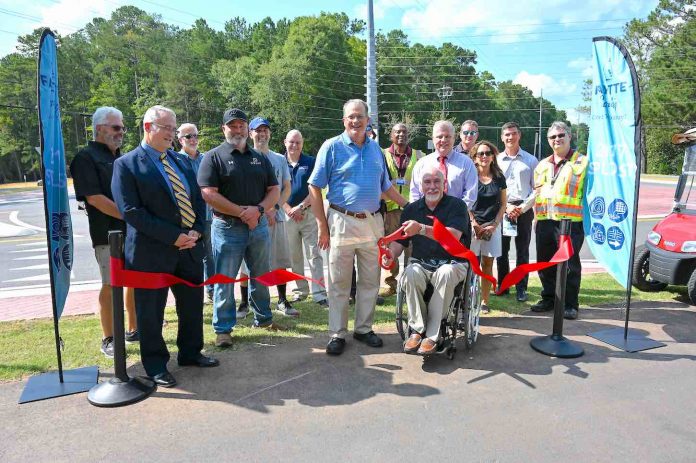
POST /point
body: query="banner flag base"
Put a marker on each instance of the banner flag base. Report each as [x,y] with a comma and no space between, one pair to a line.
[48,385]
[556,346]
[635,341]
[117,393]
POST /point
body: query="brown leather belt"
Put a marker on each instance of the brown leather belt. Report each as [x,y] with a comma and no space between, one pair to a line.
[357,215]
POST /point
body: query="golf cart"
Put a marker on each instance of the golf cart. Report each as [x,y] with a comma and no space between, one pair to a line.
[669,254]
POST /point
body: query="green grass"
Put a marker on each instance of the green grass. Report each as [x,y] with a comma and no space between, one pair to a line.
[28,347]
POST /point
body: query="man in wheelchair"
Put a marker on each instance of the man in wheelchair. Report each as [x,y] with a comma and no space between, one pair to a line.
[429,262]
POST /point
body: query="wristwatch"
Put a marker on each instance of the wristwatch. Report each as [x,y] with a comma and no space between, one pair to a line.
[422,229]
[304,206]
[261,209]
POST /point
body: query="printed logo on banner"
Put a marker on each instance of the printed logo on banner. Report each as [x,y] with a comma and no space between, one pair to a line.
[597,207]
[60,228]
[615,238]
[618,210]
[598,233]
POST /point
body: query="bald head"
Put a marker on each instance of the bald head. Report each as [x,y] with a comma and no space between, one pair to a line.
[399,136]
[293,144]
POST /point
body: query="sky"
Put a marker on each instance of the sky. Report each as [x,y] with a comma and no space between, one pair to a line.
[542,44]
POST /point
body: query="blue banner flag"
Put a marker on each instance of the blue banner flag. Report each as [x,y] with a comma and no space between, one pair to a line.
[55,182]
[611,197]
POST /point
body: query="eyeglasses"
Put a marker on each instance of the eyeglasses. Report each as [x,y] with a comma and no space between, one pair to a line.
[482,154]
[189,136]
[165,127]
[118,128]
[467,133]
[559,135]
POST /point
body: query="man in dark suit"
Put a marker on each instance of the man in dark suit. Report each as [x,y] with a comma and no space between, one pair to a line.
[159,198]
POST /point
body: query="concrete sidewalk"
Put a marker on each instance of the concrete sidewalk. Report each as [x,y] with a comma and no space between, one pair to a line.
[285,400]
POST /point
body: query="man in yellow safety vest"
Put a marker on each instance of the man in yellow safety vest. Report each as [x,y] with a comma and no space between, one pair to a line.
[400,158]
[559,182]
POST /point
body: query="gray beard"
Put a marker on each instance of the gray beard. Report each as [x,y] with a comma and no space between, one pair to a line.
[236,140]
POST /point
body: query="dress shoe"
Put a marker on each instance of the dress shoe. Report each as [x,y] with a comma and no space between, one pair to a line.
[570,313]
[386,292]
[413,343]
[165,379]
[369,338]
[427,347]
[200,361]
[223,340]
[542,306]
[335,346]
[522,296]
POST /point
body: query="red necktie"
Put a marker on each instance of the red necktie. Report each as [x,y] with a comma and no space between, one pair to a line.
[443,168]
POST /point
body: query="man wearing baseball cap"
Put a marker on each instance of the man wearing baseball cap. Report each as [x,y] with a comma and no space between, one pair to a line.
[239,184]
[260,132]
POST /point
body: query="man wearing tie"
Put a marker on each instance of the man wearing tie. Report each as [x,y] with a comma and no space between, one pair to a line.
[159,198]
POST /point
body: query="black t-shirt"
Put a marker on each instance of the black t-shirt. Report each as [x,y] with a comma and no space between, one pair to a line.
[451,211]
[91,171]
[241,178]
[488,202]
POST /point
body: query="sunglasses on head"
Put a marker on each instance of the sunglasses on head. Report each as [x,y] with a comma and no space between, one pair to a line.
[189,136]
[469,132]
[560,135]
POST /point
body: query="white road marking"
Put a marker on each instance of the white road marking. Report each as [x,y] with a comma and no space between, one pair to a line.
[32,267]
[43,256]
[28,250]
[43,277]
[14,218]
[9,231]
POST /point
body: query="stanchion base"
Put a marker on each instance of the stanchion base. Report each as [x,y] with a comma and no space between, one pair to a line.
[48,385]
[635,341]
[556,346]
[116,393]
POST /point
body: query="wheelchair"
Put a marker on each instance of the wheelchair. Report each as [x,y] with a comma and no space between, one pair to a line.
[462,318]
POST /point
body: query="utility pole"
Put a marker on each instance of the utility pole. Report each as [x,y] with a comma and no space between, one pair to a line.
[372,69]
[541,100]
[444,93]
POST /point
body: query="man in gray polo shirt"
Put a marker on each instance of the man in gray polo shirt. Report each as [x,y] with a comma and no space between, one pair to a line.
[518,167]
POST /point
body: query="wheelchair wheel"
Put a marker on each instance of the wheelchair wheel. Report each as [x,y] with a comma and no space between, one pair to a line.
[472,310]
[401,314]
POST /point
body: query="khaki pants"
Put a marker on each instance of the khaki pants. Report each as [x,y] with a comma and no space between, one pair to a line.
[351,239]
[424,318]
[303,235]
[392,221]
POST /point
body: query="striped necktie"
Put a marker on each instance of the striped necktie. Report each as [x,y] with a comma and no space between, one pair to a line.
[188,217]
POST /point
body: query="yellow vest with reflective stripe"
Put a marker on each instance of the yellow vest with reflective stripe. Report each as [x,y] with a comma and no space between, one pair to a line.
[394,173]
[566,198]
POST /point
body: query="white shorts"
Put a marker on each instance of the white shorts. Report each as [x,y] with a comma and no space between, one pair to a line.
[490,248]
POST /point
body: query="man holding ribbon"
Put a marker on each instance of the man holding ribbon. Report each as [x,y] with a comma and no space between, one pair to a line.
[352,166]
[157,194]
[430,262]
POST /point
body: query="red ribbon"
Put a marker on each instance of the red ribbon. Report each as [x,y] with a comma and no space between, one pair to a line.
[155,280]
[383,243]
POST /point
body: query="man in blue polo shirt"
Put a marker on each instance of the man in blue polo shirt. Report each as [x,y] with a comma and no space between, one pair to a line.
[352,166]
[301,225]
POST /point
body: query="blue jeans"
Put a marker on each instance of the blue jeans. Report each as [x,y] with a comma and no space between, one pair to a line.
[232,242]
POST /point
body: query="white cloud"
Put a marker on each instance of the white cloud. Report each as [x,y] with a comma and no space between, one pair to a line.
[583,64]
[67,16]
[543,82]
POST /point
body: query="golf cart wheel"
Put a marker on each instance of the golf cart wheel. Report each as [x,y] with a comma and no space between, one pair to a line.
[691,287]
[641,272]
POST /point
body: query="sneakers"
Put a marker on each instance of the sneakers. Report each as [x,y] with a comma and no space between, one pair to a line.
[223,340]
[485,309]
[286,308]
[107,346]
[522,296]
[297,298]
[132,336]
[242,310]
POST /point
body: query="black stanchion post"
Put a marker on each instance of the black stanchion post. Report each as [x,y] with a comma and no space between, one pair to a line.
[121,389]
[556,345]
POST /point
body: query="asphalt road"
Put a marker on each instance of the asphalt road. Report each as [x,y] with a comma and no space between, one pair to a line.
[25,263]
